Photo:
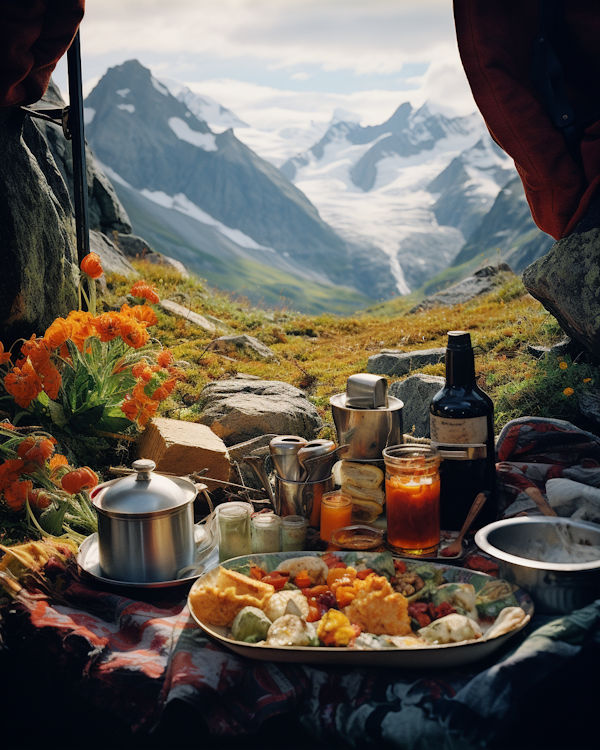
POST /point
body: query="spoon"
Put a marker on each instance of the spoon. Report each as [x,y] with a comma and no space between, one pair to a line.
[454,549]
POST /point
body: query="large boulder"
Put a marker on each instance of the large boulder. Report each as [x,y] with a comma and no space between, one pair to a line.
[567,281]
[395,362]
[242,408]
[105,211]
[416,392]
[38,255]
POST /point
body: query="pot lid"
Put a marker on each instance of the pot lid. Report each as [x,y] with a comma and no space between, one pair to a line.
[144,492]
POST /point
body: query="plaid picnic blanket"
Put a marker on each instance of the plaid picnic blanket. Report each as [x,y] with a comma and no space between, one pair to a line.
[134,658]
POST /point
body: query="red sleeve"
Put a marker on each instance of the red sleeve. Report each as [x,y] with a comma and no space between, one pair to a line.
[34,35]
[495,40]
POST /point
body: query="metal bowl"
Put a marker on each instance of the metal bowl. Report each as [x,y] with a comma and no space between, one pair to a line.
[556,588]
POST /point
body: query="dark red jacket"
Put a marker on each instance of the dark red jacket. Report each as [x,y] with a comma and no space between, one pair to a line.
[495,39]
[34,35]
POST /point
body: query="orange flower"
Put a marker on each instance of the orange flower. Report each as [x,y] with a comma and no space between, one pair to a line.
[130,408]
[57,333]
[165,358]
[107,326]
[4,356]
[52,381]
[79,479]
[36,449]
[39,498]
[81,327]
[92,266]
[23,384]
[16,494]
[147,411]
[568,391]
[10,471]
[37,350]
[142,371]
[160,394]
[144,314]
[59,466]
[563,365]
[143,290]
[134,334]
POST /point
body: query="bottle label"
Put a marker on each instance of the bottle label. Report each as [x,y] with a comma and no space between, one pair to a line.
[444,430]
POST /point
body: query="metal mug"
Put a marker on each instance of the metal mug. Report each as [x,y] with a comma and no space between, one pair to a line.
[297,498]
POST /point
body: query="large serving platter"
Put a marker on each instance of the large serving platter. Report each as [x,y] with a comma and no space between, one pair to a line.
[443,656]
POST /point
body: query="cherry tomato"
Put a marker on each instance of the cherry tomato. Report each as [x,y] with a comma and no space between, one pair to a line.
[276,579]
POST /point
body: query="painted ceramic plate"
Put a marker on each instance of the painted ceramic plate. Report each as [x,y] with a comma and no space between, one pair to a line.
[442,656]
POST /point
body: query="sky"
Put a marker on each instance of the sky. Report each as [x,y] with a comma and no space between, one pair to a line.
[363,56]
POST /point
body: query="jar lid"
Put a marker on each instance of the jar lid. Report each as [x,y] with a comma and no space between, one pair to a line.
[263,520]
[143,492]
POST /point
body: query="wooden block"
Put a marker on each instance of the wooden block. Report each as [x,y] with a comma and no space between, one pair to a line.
[184,447]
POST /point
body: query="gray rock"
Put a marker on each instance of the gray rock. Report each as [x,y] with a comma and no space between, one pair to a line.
[240,409]
[137,247]
[243,344]
[416,392]
[38,256]
[481,282]
[558,350]
[105,210]
[397,363]
[183,312]
[113,260]
[567,279]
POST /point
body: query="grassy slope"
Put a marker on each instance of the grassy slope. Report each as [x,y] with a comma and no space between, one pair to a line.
[318,353]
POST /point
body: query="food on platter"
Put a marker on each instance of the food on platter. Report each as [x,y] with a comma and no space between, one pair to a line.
[452,628]
[220,604]
[354,601]
[287,602]
[291,630]
[377,608]
[250,625]
[315,567]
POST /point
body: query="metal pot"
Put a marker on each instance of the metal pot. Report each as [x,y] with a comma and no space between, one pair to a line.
[145,525]
[556,588]
[367,431]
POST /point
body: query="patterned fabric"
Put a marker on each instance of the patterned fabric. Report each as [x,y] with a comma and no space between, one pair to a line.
[532,450]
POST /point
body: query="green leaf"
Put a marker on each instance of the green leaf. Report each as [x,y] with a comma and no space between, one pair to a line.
[85,417]
[114,424]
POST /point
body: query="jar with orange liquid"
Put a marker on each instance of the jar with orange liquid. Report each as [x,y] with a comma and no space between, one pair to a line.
[412,498]
[336,512]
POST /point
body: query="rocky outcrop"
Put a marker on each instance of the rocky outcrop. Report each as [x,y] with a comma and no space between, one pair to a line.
[481,282]
[106,213]
[38,256]
[244,407]
[397,363]
[567,281]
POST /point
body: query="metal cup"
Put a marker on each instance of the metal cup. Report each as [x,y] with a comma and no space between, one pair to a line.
[296,498]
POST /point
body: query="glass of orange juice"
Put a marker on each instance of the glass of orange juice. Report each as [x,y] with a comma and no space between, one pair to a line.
[336,512]
[412,498]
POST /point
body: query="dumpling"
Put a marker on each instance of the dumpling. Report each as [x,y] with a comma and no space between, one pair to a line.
[250,625]
[317,570]
[450,629]
[287,602]
[461,596]
[291,630]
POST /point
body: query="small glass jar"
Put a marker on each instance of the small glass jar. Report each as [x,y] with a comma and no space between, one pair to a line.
[293,533]
[266,533]
[234,530]
[336,512]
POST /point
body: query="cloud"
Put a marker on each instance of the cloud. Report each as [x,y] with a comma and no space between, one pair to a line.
[365,36]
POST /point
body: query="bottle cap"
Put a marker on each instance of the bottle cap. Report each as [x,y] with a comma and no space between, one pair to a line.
[459,340]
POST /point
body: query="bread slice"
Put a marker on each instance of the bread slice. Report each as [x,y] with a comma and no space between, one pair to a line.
[219,604]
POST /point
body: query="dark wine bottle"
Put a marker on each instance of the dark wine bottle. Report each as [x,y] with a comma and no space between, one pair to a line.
[462,428]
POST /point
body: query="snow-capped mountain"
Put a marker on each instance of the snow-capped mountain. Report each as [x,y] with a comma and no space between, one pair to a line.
[417,185]
[206,199]
[206,109]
